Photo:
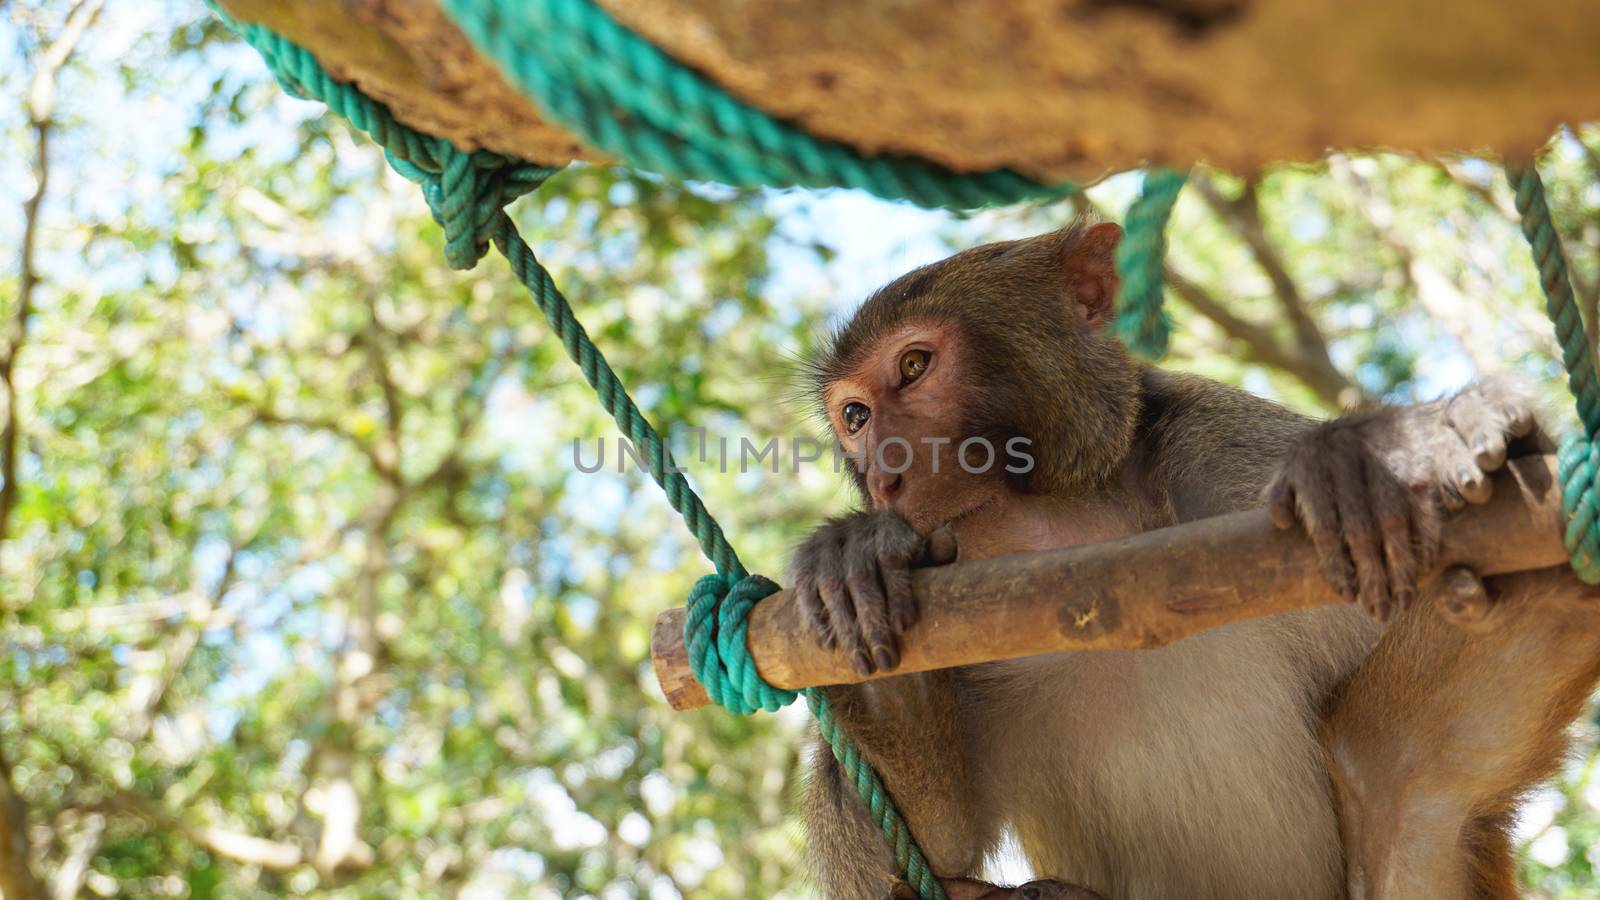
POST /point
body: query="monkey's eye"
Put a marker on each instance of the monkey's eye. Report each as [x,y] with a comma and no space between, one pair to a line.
[912,364]
[855,416]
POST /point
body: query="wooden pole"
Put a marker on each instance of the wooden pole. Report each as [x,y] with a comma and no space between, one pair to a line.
[1143,591]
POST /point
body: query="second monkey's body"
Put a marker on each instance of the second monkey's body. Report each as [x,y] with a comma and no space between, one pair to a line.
[1319,754]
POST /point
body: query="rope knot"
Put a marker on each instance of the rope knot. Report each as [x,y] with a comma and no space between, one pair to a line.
[467,192]
[719,610]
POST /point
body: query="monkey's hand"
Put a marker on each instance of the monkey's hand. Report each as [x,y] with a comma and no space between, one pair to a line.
[853,578]
[1371,489]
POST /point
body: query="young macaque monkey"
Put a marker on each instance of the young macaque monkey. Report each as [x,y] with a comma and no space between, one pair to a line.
[1368,750]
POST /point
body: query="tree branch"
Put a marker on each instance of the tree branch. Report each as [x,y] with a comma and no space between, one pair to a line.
[1316,372]
[374,348]
[1243,216]
[1142,591]
[17,881]
[316,423]
[1314,369]
[1500,201]
[238,846]
[16,875]
[68,882]
[1485,192]
[1454,308]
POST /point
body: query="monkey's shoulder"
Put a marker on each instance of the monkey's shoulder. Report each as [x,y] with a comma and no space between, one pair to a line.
[1208,448]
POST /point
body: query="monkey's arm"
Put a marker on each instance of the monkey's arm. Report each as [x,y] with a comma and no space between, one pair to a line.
[853,577]
[1370,489]
[909,728]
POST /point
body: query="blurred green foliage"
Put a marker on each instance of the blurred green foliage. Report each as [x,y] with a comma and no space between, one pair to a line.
[302,593]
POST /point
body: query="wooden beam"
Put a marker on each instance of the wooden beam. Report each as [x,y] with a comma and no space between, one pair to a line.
[1237,84]
[1143,591]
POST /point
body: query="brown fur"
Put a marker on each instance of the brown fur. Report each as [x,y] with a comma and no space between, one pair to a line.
[1081,385]
[1312,755]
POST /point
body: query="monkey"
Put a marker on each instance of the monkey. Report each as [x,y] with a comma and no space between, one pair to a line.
[1370,749]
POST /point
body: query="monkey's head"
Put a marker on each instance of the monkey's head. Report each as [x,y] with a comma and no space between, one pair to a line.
[940,371]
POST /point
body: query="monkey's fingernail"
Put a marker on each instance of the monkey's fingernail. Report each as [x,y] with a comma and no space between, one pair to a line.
[1480,444]
[885,657]
[862,664]
[1381,613]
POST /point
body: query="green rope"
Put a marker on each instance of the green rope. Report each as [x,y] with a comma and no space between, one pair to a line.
[872,792]
[1141,261]
[675,122]
[1578,463]
[467,194]
[620,94]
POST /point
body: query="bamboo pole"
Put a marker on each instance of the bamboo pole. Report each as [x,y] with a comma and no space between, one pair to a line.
[1143,591]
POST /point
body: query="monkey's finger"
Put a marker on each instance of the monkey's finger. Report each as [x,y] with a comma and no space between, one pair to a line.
[1516,401]
[1482,425]
[1359,528]
[866,595]
[1449,496]
[1318,511]
[809,559]
[1520,421]
[827,571]
[846,629]
[1396,531]
[1281,502]
[1466,475]
[872,618]
[813,611]
[940,548]
[896,577]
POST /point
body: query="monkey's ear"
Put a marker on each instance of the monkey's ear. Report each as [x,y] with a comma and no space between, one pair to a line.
[1090,268]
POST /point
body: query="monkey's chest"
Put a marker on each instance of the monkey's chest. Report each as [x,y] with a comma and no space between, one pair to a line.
[1192,771]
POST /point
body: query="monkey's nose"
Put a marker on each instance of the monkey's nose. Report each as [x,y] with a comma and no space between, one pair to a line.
[884,486]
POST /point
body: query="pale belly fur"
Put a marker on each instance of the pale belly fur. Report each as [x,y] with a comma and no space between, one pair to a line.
[1193,771]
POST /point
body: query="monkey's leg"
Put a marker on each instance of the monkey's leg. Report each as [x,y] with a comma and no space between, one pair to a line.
[1433,738]
[910,729]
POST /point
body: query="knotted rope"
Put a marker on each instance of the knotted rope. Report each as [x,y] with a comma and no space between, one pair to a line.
[467,194]
[621,94]
[714,634]
[1578,462]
